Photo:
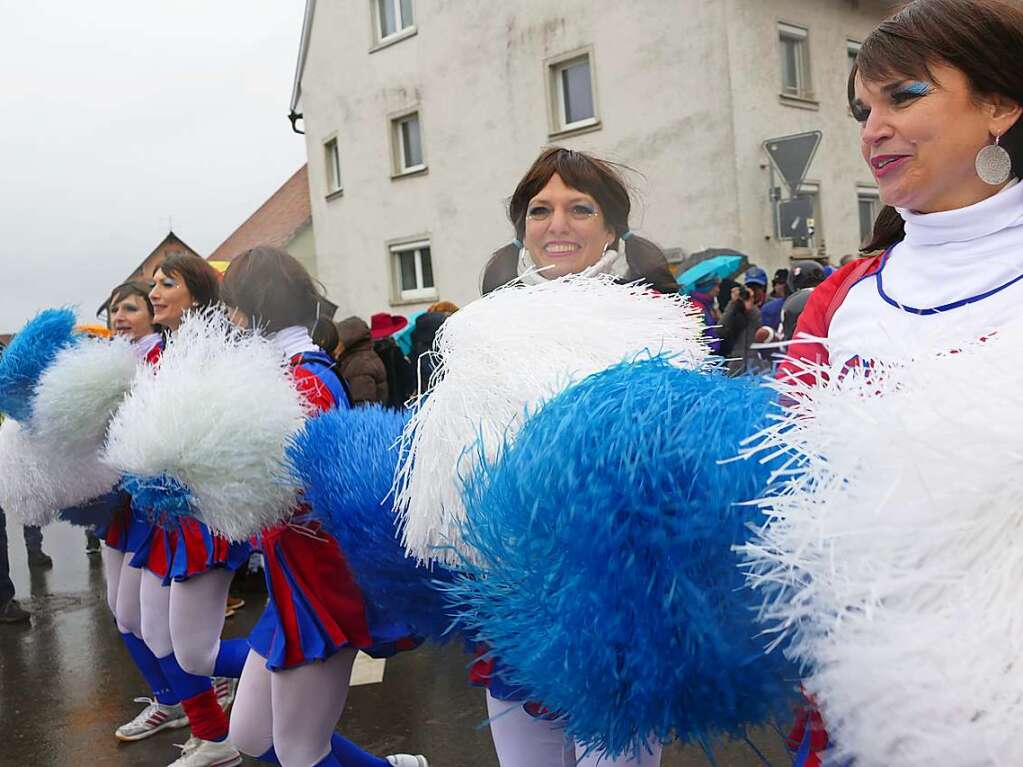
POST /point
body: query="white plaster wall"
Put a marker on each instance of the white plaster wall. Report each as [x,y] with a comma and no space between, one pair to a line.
[687,91]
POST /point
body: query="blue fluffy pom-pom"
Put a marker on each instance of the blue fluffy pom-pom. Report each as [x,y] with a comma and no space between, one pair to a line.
[94,513]
[607,584]
[28,357]
[162,500]
[345,460]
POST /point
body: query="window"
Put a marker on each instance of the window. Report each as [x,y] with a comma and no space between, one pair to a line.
[795,61]
[393,17]
[852,50]
[572,94]
[333,161]
[869,204]
[412,266]
[408,144]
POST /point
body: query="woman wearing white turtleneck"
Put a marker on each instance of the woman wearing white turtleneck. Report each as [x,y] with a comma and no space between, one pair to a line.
[937,90]
[951,236]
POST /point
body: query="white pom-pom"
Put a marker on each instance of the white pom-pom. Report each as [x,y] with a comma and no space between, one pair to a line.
[37,481]
[502,356]
[893,552]
[78,394]
[215,415]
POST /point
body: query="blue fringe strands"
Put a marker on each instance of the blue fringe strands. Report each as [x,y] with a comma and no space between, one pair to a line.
[28,356]
[161,499]
[98,511]
[608,585]
[345,461]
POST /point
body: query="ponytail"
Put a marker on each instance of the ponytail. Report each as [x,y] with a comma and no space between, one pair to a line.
[889,228]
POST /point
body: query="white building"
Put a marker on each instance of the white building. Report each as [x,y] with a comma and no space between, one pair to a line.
[421,116]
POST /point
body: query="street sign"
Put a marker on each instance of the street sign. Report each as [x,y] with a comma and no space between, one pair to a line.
[792,155]
[795,219]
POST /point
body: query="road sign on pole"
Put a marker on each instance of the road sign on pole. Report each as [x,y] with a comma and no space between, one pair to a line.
[792,155]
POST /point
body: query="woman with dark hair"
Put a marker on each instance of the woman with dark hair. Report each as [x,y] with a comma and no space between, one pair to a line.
[571,216]
[937,89]
[130,314]
[187,571]
[295,680]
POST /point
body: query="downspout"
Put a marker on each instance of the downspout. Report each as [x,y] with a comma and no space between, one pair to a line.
[303,49]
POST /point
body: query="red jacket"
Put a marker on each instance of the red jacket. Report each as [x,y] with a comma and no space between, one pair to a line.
[815,321]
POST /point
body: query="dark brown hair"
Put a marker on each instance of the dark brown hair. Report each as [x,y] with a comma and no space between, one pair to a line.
[324,335]
[981,38]
[600,179]
[272,288]
[199,277]
[139,287]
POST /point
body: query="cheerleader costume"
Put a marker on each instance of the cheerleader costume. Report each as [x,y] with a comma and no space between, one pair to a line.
[956,275]
[315,610]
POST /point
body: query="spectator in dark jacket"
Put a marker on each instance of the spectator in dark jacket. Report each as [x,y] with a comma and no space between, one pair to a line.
[360,366]
[423,336]
[805,276]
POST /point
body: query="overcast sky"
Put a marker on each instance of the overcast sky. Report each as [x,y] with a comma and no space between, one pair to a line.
[116,116]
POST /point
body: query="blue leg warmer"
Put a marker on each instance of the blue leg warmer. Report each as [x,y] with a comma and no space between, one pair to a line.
[350,755]
[150,668]
[231,658]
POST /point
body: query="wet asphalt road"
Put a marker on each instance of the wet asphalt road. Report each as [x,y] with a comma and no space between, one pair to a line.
[66,683]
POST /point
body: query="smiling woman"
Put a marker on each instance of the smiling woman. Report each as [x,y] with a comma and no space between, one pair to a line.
[571,216]
[936,89]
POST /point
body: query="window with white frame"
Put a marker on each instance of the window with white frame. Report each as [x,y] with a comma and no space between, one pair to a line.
[571,88]
[795,61]
[407,140]
[852,50]
[332,157]
[393,17]
[869,204]
[412,265]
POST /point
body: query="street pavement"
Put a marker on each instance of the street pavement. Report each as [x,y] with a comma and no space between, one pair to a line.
[66,682]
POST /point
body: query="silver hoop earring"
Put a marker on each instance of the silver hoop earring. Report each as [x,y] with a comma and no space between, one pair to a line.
[994,164]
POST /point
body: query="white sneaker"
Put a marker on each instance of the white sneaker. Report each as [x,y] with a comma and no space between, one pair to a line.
[407,760]
[207,753]
[154,717]
[225,689]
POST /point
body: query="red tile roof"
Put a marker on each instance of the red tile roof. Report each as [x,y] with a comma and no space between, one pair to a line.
[276,221]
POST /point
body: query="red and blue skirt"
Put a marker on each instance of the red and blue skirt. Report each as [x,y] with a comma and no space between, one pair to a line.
[315,606]
[186,550]
[485,671]
[125,531]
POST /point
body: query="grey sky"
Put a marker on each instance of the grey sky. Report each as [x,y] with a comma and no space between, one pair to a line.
[118,114]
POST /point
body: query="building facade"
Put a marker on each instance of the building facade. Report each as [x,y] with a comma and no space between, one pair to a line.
[420,118]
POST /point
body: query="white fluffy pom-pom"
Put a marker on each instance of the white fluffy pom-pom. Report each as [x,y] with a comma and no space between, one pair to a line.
[499,358]
[893,552]
[37,481]
[78,394]
[214,415]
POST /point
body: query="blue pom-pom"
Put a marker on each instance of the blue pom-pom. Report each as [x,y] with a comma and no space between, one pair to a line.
[607,584]
[162,500]
[345,459]
[97,512]
[28,357]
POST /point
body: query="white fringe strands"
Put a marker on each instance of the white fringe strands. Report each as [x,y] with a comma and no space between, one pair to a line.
[215,415]
[892,555]
[77,395]
[36,480]
[52,461]
[499,358]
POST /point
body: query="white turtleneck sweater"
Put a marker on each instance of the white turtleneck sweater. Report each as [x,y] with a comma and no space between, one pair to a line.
[945,257]
[293,340]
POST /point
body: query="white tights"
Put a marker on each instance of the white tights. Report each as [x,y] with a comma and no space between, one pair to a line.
[123,590]
[294,710]
[524,741]
[186,618]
